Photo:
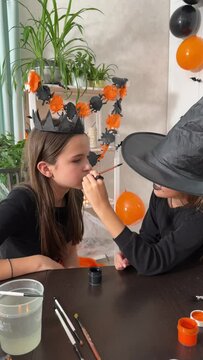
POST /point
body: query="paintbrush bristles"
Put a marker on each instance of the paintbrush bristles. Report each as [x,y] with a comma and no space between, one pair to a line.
[109,169]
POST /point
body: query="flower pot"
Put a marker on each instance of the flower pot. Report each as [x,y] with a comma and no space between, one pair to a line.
[9,177]
[78,82]
[50,75]
[96,83]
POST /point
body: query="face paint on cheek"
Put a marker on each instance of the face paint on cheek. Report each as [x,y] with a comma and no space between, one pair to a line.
[156,187]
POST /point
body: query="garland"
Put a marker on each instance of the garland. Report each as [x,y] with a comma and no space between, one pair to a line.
[114,92]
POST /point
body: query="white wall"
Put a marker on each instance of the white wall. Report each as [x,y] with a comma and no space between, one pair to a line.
[182,91]
[134,35]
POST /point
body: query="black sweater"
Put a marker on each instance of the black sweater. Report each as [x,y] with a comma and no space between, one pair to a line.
[168,237]
[19,225]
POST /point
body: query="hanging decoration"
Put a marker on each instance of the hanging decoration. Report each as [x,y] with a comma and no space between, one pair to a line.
[114,92]
[189,55]
[191,2]
[130,208]
[184,21]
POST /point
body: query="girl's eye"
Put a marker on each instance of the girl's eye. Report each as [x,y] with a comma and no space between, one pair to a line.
[76,161]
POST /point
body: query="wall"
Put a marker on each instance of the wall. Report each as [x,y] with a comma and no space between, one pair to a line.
[133,35]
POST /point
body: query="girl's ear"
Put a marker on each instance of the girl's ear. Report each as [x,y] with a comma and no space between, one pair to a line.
[43,167]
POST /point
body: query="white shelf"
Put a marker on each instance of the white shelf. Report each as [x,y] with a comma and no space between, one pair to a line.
[86,91]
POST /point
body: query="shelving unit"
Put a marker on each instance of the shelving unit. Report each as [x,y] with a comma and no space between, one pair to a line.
[86,94]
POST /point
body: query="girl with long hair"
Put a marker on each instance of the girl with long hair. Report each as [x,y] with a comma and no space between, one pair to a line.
[41,219]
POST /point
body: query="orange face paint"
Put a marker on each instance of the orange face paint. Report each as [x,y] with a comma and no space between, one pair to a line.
[197,315]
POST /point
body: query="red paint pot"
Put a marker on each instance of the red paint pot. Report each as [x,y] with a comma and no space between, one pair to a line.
[187,331]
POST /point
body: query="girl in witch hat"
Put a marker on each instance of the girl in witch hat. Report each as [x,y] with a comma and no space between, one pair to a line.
[172,230]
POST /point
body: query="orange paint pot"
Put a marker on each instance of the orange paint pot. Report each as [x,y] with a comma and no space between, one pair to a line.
[197,315]
[187,331]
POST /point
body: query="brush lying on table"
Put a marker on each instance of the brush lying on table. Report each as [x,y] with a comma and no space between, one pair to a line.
[68,333]
[88,338]
[59,312]
[68,320]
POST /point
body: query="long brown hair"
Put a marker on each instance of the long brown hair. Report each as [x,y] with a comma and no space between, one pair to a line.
[195,202]
[46,146]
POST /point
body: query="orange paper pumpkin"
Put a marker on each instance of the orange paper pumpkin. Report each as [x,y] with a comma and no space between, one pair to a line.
[56,103]
[34,81]
[123,92]
[190,53]
[83,109]
[104,149]
[110,92]
[113,121]
[130,208]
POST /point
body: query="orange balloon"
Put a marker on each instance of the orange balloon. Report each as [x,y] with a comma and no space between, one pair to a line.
[189,55]
[130,208]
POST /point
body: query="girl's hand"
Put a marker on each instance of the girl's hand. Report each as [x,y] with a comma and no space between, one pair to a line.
[95,190]
[120,261]
[46,263]
[26,265]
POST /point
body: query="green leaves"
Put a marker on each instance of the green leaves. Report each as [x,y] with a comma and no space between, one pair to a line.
[101,72]
[10,153]
[53,29]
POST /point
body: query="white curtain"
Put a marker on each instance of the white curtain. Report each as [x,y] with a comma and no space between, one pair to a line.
[11,99]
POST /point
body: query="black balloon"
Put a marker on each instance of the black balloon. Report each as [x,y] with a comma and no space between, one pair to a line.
[184,21]
[191,2]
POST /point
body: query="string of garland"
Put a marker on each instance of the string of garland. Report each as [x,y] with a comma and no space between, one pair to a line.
[114,92]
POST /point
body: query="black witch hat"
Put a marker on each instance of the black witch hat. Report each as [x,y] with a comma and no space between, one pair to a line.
[175,160]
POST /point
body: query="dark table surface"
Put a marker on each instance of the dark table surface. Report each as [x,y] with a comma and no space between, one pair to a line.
[129,316]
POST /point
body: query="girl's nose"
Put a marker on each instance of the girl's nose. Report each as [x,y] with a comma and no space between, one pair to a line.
[88,166]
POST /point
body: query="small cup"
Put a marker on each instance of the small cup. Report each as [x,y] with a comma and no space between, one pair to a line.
[95,276]
[20,317]
[187,331]
[197,315]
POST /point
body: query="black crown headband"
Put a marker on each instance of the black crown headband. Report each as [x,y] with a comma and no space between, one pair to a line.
[66,123]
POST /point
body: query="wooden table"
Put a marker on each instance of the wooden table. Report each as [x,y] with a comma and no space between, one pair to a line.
[130,316]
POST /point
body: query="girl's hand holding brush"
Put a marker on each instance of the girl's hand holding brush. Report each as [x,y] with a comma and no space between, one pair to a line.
[95,191]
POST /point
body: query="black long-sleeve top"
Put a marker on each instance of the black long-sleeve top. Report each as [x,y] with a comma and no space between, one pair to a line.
[168,237]
[19,224]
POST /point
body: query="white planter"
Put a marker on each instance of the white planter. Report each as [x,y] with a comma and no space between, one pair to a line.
[79,82]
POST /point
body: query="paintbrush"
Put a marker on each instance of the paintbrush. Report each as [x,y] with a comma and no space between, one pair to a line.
[68,333]
[68,320]
[104,171]
[88,338]
[14,293]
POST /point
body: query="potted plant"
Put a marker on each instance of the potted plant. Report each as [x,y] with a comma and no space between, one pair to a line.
[33,43]
[80,67]
[10,160]
[52,31]
[98,75]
